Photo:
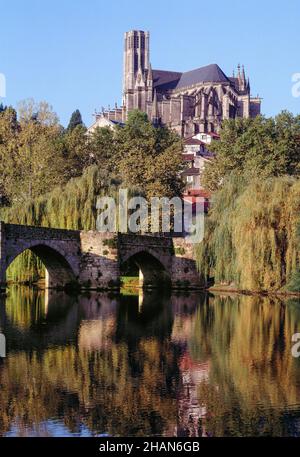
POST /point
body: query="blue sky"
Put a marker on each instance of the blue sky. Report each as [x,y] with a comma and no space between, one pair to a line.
[70,52]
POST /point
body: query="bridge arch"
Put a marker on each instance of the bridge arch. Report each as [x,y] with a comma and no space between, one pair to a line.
[59,266]
[153,271]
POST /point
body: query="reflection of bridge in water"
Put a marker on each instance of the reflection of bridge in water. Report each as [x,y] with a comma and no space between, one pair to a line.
[95,260]
[54,318]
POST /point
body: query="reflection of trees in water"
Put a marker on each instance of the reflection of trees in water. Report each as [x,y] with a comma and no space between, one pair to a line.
[92,388]
[253,377]
[36,319]
[92,383]
[169,365]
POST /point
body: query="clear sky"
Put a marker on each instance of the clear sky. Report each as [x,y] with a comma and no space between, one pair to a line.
[70,52]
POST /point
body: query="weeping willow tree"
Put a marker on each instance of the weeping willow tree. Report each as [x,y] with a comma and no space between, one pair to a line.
[72,206]
[215,255]
[252,234]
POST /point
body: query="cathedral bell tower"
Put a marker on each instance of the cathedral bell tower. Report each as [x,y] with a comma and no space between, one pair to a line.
[136,69]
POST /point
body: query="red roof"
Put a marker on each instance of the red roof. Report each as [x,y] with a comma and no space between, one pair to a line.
[193,141]
[198,193]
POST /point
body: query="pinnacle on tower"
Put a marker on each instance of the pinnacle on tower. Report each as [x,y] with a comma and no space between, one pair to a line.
[242,83]
[243,73]
[154,113]
[150,76]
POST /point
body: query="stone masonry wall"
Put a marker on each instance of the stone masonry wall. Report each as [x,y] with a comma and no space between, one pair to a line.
[99,263]
[184,270]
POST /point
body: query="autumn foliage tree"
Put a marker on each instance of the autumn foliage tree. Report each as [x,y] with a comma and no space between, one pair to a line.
[36,153]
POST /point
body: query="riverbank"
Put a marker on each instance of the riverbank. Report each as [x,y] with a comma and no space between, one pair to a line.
[130,286]
[234,290]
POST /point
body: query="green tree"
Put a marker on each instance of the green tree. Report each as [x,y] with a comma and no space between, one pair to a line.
[75,120]
[162,177]
[147,157]
[103,148]
[9,130]
[77,153]
[255,147]
[39,164]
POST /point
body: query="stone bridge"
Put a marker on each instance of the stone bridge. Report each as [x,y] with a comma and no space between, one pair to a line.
[95,260]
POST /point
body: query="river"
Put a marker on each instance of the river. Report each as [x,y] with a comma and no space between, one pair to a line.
[144,365]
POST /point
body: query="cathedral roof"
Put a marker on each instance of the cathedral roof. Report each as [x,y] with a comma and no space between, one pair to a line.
[209,73]
[167,80]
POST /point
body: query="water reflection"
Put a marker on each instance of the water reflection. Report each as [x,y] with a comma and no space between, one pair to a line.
[154,365]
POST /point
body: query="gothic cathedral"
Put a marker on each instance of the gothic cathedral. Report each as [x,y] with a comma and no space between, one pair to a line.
[191,102]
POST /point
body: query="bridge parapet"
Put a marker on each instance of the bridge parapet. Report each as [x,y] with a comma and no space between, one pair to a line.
[25,232]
